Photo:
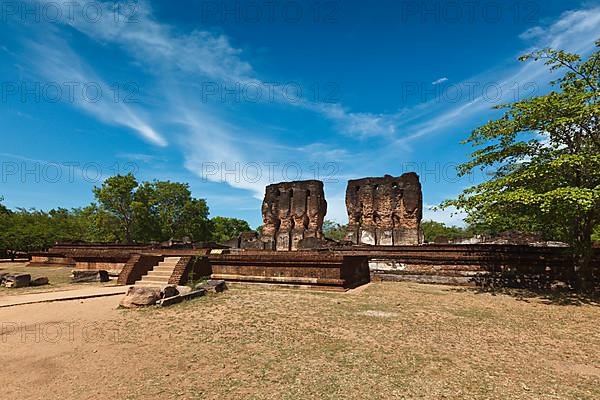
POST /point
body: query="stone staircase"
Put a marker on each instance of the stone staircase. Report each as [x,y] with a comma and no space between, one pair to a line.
[159,275]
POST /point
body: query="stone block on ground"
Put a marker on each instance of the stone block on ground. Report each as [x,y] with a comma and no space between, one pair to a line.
[141,296]
[169,291]
[213,286]
[80,276]
[17,280]
[167,301]
[40,281]
[184,289]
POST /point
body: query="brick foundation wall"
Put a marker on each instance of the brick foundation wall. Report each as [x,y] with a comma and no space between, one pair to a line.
[137,266]
[50,260]
[319,268]
[501,265]
[190,268]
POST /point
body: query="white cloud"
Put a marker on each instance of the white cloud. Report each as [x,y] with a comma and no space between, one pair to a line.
[439,81]
[533,33]
[574,31]
[56,62]
[139,157]
[203,134]
[450,216]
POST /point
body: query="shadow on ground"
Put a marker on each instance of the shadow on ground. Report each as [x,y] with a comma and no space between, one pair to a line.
[562,296]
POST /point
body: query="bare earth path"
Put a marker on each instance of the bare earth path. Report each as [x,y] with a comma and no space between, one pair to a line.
[387,341]
[71,294]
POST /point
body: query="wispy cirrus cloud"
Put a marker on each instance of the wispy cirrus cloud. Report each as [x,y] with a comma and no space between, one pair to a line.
[54,60]
[574,31]
[202,132]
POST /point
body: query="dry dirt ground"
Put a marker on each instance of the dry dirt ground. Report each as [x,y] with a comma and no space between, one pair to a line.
[383,341]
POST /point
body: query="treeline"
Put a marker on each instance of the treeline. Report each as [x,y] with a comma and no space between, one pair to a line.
[433,230]
[124,211]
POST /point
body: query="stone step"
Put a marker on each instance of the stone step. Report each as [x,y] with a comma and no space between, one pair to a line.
[163,268]
[160,273]
[150,284]
[170,263]
[154,281]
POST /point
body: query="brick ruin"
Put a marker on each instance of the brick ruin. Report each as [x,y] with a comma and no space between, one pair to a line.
[291,212]
[385,211]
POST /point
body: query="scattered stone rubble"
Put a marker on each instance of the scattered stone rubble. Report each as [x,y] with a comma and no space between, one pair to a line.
[144,296]
[21,280]
[141,296]
[82,276]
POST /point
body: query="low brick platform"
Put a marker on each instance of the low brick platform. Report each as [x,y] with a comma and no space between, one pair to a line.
[50,260]
[479,264]
[326,270]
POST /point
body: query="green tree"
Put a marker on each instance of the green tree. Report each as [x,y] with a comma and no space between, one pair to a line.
[98,225]
[33,230]
[4,224]
[116,197]
[596,235]
[334,230]
[3,209]
[546,152]
[167,210]
[197,225]
[433,230]
[224,228]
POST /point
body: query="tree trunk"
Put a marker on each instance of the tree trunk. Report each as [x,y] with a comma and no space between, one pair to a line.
[583,252]
[127,236]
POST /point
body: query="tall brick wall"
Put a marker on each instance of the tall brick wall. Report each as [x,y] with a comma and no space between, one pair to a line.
[385,211]
[291,212]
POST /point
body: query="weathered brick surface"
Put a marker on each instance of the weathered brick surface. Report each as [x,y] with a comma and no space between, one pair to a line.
[190,267]
[309,268]
[291,212]
[137,266]
[502,265]
[385,211]
[50,260]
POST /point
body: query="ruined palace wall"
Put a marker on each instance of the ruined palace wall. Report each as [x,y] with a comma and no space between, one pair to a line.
[385,211]
[291,212]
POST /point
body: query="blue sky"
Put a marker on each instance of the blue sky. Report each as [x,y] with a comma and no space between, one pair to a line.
[230,96]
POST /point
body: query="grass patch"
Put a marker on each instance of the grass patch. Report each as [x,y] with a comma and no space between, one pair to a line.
[59,279]
[390,340]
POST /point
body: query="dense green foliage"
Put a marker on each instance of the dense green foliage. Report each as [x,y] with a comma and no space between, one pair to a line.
[546,153]
[224,229]
[29,230]
[333,230]
[433,230]
[3,209]
[150,211]
[124,212]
